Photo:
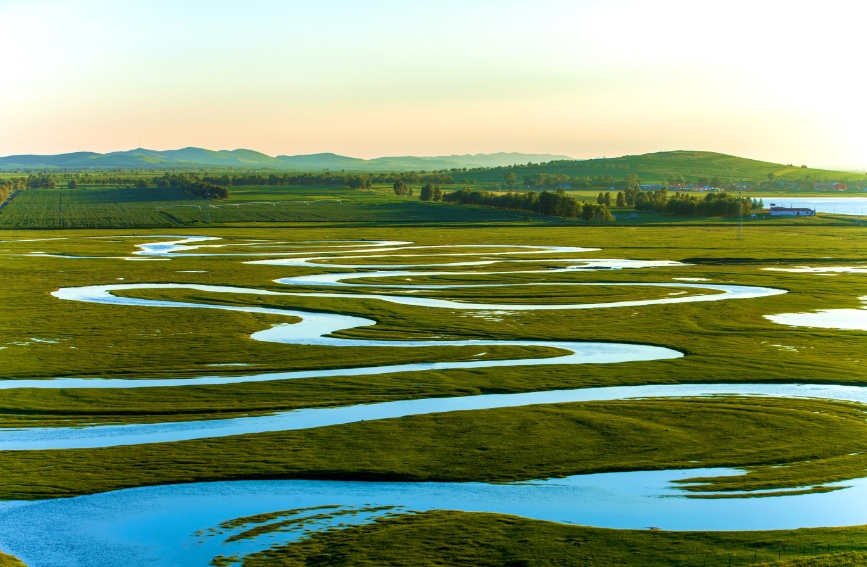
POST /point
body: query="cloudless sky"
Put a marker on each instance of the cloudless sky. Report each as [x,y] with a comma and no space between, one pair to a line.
[776,80]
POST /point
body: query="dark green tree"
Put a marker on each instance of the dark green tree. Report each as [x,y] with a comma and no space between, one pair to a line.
[427,192]
[509,180]
[400,188]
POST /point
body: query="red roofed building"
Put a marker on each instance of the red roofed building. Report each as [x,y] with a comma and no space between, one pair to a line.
[832,186]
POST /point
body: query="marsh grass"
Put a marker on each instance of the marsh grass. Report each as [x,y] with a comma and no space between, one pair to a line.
[489,540]
[500,445]
[726,341]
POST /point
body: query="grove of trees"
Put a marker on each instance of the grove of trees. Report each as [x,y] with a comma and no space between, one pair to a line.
[402,189]
[682,204]
[431,192]
[556,204]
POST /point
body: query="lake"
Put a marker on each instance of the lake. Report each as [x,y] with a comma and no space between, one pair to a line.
[838,205]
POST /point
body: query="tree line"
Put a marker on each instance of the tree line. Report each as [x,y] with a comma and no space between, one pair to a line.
[549,203]
[351,180]
[188,182]
[9,186]
[684,204]
[552,180]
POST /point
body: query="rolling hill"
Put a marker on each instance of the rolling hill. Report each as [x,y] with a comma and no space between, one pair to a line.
[197,158]
[655,167]
[650,168]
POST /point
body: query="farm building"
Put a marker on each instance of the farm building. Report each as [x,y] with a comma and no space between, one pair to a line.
[791,212]
[832,186]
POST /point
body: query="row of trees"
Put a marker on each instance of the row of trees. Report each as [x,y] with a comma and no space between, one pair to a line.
[683,204]
[14,184]
[206,190]
[40,181]
[351,180]
[9,186]
[429,192]
[189,182]
[547,203]
[552,180]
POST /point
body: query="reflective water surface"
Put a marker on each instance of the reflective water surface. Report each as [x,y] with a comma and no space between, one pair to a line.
[163,525]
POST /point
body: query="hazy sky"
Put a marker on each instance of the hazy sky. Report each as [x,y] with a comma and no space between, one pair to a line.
[777,80]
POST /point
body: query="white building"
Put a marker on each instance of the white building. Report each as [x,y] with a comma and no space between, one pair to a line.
[791,212]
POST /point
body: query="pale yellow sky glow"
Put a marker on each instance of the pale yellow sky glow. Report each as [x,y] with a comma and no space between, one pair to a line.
[772,80]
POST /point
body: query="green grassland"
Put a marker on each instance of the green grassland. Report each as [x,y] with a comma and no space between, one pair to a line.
[782,444]
[655,167]
[517,542]
[171,208]
[725,341]
[100,207]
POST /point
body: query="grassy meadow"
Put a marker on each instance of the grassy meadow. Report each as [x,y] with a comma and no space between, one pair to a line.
[654,167]
[124,207]
[782,444]
[101,207]
[513,541]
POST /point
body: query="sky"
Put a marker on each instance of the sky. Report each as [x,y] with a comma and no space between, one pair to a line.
[777,80]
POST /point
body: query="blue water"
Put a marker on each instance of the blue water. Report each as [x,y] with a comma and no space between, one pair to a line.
[838,205]
[156,525]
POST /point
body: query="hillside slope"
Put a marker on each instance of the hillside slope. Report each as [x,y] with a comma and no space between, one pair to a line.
[655,167]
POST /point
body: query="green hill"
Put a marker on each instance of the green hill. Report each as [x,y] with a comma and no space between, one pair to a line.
[200,158]
[655,168]
[650,168]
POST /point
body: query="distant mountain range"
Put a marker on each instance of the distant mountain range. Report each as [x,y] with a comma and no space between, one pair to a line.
[201,158]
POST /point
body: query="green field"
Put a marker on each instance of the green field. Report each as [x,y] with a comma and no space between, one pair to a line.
[170,207]
[99,207]
[782,444]
[653,168]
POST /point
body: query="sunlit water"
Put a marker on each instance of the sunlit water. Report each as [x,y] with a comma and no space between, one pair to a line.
[837,205]
[841,319]
[36,438]
[159,525]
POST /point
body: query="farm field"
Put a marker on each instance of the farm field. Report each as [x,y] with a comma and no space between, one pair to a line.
[103,208]
[171,207]
[474,300]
